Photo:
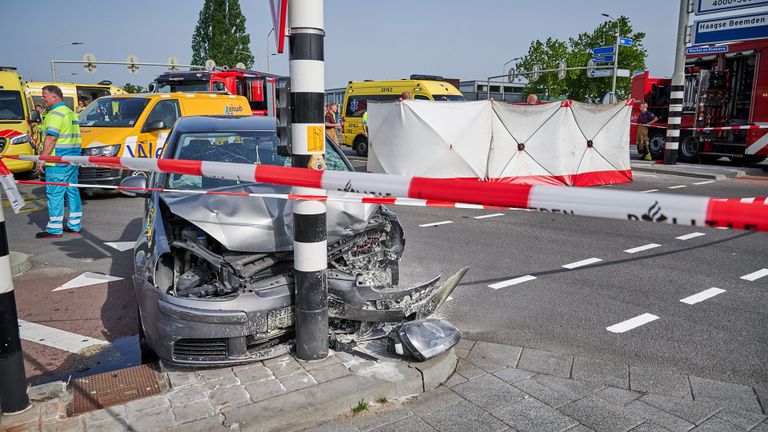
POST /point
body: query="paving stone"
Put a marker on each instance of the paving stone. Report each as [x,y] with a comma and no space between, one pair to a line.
[339,426]
[716,424]
[229,396]
[223,382]
[310,365]
[692,411]
[648,427]
[601,415]
[140,405]
[434,400]
[580,428]
[46,391]
[573,389]
[762,395]
[601,371]
[492,357]
[763,427]
[743,419]
[461,353]
[659,417]
[412,424]
[297,381]
[252,373]
[192,411]
[489,392]
[512,375]
[31,415]
[546,362]
[659,381]
[112,425]
[465,344]
[210,424]
[455,380]
[52,411]
[468,370]
[150,420]
[71,424]
[735,396]
[282,366]
[215,373]
[264,389]
[379,417]
[543,393]
[106,414]
[463,417]
[533,415]
[188,394]
[180,379]
[618,396]
[328,372]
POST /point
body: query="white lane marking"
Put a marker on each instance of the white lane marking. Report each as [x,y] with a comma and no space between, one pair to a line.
[87,279]
[489,216]
[755,275]
[436,224]
[700,297]
[690,236]
[53,337]
[676,187]
[642,248]
[449,299]
[121,246]
[632,323]
[511,282]
[704,182]
[649,191]
[582,263]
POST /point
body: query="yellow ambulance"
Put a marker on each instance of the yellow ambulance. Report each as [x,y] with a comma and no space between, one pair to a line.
[17,122]
[137,125]
[358,94]
[73,92]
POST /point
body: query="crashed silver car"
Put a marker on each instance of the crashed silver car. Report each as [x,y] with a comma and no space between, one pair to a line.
[214,272]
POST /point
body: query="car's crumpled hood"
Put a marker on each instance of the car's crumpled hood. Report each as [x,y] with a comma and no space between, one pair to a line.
[250,224]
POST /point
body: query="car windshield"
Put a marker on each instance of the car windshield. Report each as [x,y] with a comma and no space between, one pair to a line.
[10,105]
[113,112]
[448,97]
[183,86]
[258,147]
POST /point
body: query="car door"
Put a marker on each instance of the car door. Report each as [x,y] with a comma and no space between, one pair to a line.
[151,140]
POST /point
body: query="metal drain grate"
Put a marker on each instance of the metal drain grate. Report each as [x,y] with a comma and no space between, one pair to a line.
[113,388]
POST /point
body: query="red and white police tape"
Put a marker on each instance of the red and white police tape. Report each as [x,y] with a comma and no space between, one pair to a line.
[612,204]
[709,129]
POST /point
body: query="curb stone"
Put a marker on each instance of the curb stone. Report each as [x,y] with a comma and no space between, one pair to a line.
[19,263]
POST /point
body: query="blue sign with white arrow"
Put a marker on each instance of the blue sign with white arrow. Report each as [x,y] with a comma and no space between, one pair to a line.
[603,59]
[625,42]
[603,50]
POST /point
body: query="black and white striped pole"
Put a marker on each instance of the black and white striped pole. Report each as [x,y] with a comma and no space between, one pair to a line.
[672,142]
[13,379]
[310,254]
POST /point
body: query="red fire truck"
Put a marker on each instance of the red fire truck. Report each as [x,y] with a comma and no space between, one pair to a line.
[725,105]
[257,87]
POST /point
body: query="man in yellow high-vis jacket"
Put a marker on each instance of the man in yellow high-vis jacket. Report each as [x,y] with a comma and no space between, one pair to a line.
[62,138]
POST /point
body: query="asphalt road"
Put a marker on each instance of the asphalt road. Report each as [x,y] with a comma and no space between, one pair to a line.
[552,307]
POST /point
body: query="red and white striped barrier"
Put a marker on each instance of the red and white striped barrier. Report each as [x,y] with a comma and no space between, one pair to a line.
[612,204]
[709,129]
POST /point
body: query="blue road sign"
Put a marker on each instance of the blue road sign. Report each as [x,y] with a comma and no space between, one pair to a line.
[600,73]
[625,42]
[603,50]
[603,59]
[714,6]
[736,28]
[707,49]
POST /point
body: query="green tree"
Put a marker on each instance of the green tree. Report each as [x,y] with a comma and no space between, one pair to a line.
[133,88]
[547,55]
[220,35]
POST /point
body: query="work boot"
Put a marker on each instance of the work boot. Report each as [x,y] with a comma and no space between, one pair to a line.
[46,235]
[70,230]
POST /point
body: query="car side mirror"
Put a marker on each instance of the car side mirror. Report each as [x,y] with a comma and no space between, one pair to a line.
[135,186]
[151,87]
[219,86]
[34,117]
[155,125]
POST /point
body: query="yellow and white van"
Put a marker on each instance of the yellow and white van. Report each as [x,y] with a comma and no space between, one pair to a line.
[73,91]
[17,122]
[358,94]
[137,125]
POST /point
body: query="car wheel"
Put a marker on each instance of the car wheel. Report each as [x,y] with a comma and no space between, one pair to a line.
[689,149]
[656,143]
[361,146]
[148,355]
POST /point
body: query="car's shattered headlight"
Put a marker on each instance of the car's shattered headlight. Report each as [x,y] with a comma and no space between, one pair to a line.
[424,339]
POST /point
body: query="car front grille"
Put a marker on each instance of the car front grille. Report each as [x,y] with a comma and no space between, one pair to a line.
[200,350]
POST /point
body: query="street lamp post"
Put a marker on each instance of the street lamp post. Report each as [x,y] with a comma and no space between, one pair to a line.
[504,68]
[53,60]
[615,54]
[266,51]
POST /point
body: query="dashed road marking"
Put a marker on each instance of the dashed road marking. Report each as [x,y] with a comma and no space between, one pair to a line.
[700,297]
[87,279]
[642,248]
[53,337]
[676,187]
[582,263]
[690,236]
[489,215]
[755,275]
[704,182]
[649,191]
[632,323]
[436,224]
[511,282]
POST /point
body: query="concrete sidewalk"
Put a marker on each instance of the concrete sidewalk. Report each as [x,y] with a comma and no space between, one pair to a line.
[509,388]
[703,171]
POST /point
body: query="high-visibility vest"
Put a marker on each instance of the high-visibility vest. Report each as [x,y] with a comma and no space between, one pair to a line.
[62,123]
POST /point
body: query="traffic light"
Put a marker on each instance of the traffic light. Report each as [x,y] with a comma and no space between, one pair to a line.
[283,115]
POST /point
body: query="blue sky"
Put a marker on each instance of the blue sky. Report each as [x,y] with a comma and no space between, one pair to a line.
[365,39]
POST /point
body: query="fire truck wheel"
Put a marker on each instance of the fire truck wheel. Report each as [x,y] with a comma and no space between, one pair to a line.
[656,144]
[747,159]
[689,149]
